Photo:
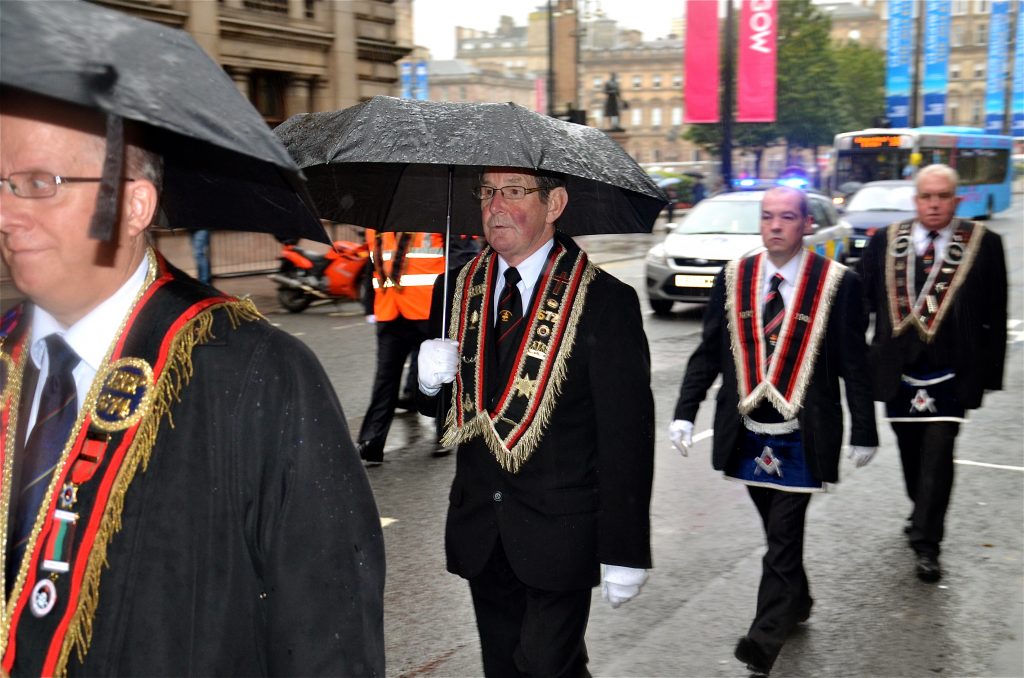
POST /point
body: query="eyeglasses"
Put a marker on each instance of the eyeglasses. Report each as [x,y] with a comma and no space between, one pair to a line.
[507,192]
[35,185]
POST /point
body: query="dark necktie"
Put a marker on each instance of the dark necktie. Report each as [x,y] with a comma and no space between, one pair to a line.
[774,312]
[58,409]
[926,261]
[510,317]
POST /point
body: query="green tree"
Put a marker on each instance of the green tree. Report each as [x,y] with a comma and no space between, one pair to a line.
[861,71]
[809,94]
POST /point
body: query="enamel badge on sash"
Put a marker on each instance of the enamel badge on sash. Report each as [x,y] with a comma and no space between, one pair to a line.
[125,395]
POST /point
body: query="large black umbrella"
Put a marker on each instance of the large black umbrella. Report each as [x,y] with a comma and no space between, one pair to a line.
[224,168]
[391,164]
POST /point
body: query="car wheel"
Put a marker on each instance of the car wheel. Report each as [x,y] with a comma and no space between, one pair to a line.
[661,306]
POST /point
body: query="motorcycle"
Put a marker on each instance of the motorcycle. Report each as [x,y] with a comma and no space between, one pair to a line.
[304,277]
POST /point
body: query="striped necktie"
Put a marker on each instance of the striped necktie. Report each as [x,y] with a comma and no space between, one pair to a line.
[774,312]
[510,316]
[926,261]
[58,409]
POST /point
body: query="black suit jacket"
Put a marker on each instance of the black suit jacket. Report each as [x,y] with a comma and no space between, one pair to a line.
[583,498]
[842,354]
[971,339]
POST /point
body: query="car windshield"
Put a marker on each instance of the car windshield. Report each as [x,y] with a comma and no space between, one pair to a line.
[883,199]
[723,216]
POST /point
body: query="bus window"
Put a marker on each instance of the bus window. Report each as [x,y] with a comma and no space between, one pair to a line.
[982,165]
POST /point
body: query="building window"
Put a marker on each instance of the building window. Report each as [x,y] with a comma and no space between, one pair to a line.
[953,113]
[597,115]
[980,34]
[956,38]
[656,118]
[276,6]
[677,80]
[981,7]
[636,117]
[979,70]
[977,103]
[959,7]
[695,155]
[656,81]
[677,116]
[638,81]
[266,90]
[954,72]
[598,82]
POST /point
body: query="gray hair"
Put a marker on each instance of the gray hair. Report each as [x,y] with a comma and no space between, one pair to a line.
[939,170]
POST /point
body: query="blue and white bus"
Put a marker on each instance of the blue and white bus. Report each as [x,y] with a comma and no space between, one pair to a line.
[982,160]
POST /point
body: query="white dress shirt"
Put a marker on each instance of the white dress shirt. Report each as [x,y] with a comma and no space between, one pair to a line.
[789,272]
[90,337]
[919,234]
[529,272]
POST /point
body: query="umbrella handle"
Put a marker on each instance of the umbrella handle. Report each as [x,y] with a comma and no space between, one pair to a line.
[447,246]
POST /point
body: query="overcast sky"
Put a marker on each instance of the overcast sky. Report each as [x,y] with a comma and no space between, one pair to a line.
[434,21]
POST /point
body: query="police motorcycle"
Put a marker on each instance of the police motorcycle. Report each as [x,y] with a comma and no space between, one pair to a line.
[305,277]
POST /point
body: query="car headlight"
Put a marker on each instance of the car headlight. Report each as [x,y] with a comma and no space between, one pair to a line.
[656,255]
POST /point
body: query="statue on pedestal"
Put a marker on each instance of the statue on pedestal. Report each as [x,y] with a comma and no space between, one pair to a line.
[613,104]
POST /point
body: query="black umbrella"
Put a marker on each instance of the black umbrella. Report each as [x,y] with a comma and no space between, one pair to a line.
[224,168]
[391,164]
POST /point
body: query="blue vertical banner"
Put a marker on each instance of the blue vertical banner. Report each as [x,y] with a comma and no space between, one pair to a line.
[995,86]
[1017,107]
[936,60]
[421,89]
[899,43]
[405,69]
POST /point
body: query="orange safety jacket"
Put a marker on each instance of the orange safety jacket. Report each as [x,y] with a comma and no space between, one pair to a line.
[405,265]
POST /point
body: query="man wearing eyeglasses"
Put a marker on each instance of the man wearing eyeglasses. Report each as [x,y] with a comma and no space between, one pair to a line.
[545,373]
[182,495]
[937,286]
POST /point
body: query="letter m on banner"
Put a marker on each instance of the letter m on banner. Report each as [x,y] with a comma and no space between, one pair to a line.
[755,95]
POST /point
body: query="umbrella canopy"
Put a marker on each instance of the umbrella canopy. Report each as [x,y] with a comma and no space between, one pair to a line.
[224,168]
[386,163]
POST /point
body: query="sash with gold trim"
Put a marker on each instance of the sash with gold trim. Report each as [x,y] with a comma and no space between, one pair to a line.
[514,430]
[147,369]
[925,311]
[784,383]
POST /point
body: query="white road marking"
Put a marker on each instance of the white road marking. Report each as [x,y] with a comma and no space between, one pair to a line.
[1004,467]
[1012,323]
[384,522]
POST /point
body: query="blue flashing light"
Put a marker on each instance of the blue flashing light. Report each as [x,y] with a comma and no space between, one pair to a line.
[794,182]
[746,183]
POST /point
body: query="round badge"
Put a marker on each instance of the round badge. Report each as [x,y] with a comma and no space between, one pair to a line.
[125,395]
[900,246]
[44,597]
[954,253]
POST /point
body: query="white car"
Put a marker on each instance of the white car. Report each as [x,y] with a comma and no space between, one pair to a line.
[718,230]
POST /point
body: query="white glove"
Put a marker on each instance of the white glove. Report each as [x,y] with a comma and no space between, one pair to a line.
[621,584]
[437,364]
[371,319]
[861,455]
[680,432]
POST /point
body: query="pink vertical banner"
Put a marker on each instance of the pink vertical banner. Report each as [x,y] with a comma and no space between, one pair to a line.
[755,91]
[540,95]
[701,61]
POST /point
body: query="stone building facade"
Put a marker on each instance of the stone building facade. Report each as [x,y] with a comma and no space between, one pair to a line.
[293,56]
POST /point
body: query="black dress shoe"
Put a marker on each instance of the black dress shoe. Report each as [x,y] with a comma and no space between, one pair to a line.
[748,652]
[371,455]
[928,568]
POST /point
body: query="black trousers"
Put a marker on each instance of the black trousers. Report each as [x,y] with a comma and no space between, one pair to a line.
[926,450]
[784,596]
[396,340]
[526,631]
